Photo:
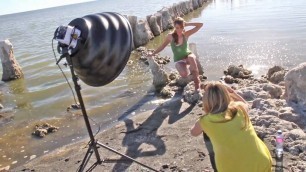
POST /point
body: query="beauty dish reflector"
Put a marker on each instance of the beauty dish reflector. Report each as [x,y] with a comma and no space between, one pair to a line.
[100,46]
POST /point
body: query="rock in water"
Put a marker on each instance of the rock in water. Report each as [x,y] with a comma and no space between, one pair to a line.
[247,94]
[153,25]
[238,72]
[274,69]
[166,92]
[11,68]
[230,80]
[141,31]
[195,4]
[182,82]
[172,76]
[6,117]
[176,10]
[159,20]
[74,107]
[42,130]
[143,52]
[160,77]
[276,74]
[190,95]
[167,22]
[274,90]
[133,22]
[295,83]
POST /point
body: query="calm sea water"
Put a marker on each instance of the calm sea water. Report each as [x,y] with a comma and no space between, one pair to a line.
[257,34]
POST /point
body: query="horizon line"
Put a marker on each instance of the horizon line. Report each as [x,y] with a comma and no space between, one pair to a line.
[7,14]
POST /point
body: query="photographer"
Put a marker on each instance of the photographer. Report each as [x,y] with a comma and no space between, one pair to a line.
[226,122]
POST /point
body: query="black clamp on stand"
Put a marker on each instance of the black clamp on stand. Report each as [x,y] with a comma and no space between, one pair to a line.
[93,144]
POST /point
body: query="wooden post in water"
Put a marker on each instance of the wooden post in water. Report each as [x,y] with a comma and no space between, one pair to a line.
[193,48]
[10,67]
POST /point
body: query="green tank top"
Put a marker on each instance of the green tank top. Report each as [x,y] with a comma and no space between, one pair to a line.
[180,51]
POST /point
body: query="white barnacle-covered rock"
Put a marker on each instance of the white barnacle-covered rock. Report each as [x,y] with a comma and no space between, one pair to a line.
[274,90]
[160,77]
[288,114]
[295,83]
[195,4]
[295,134]
[190,95]
[238,72]
[142,33]
[11,68]
[156,30]
[167,22]
[276,74]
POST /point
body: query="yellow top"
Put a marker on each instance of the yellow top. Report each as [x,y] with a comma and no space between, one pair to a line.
[236,149]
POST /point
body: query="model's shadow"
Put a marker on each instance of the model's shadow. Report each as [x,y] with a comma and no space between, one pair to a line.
[145,134]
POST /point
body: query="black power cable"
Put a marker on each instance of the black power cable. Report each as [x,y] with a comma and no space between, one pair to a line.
[63,73]
[99,129]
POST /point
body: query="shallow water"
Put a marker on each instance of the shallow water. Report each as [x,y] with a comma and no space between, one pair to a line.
[257,34]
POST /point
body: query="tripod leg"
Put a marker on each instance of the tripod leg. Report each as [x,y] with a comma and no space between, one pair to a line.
[93,143]
[129,158]
[85,116]
[86,159]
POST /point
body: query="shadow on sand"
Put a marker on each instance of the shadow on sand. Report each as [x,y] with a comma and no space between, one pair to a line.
[146,133]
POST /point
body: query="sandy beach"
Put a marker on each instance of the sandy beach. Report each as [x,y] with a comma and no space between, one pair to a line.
[161,138]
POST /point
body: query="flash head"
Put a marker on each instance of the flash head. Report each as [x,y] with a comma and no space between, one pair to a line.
[99,45]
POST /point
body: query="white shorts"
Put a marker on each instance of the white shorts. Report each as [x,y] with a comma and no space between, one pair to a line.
[182,61]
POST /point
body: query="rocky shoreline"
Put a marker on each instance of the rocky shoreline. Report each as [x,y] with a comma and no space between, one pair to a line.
[273,107]
[277,101]
[152,136]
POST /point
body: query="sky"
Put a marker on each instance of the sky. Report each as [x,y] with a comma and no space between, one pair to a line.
[16,6]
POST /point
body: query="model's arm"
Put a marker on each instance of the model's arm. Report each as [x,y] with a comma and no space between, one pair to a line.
[196,130]
[160,48]
[197,26]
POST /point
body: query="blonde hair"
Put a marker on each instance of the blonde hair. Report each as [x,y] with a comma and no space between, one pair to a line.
[217,99]
[178,21]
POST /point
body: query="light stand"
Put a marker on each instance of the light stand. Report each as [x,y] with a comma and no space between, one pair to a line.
[93,144]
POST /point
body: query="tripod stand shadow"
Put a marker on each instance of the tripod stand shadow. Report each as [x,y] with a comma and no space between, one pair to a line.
[145,135]
[137,106]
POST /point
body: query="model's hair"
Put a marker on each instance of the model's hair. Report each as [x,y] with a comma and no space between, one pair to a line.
[217,99]
[178,21]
